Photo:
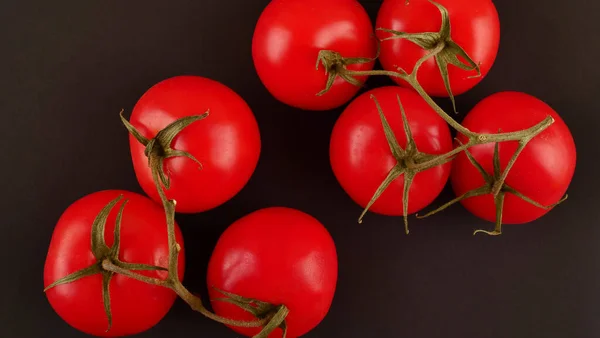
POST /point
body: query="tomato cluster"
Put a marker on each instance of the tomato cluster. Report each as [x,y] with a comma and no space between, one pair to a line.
[117,259]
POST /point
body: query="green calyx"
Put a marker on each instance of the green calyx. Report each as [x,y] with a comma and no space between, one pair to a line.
[102,252]
[336,65]
[409,161]
[446,51]
[274,315]
[494,184]
[159,148]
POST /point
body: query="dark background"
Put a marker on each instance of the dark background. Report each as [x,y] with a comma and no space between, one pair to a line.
[68,68]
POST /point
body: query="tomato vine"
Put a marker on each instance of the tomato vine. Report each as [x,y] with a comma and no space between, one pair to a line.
[268,316]
[441,47]
[409,162]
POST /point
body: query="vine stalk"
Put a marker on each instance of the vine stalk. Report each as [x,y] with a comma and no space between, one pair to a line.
[157,150]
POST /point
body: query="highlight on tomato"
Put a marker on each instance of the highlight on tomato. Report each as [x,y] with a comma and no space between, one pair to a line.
[383,151]
[464,35]
[300,48]
[198,137]
[129,231]
[274,257]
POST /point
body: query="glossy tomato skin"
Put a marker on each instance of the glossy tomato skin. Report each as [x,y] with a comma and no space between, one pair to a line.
[136,306]
[288,37]
[475,27]
[277,255]
[361,157]
[543,170]
[227,142]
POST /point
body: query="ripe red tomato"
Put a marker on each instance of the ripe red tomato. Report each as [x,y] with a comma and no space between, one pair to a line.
[227,142]
[288,37]
[361,157]
[543,170]
[475,27]
[135,306]
[280,256]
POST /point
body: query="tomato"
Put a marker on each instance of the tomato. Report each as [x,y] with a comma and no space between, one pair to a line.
[361,157]
[135,306]
[227,142]
[288,37]
[475,27]
[280,256]
[543,170]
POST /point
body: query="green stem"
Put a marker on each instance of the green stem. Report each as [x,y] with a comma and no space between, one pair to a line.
[110,266]
[478,138]
[437,160]
[500,181]
[173,281]
[193,301]
[452,122]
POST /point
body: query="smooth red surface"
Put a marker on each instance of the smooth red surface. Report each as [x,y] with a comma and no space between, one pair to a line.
[361,157]
[136,306]
[277,255]
[475,27]
[288,37]
[227,142]
[543,170]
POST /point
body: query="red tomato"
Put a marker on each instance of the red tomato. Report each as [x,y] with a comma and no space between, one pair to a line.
[475,27]
[288,37]
[543,170]
[227,142]
[361,157]
[135,306]
[280,256]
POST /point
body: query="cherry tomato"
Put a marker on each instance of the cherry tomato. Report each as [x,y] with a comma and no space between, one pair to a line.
[135,306]
[543,170]
[475,27]
[280,256]
[227,142]
[361,157]
[288,37]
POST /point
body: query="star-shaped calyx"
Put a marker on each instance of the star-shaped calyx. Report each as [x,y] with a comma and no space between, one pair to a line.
[409,161]
[490,187]
[159,148]
[441,46]
[336,65]
[103,252]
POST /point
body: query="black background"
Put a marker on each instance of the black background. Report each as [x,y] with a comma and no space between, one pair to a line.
[68,68]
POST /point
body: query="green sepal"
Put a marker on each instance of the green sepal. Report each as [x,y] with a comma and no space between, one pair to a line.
[114,250]
[106,277]
[277,321]
[447,52]
[79,274]
[99,247]
[393,174]
[160,146]
[402,156]
[259,310]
